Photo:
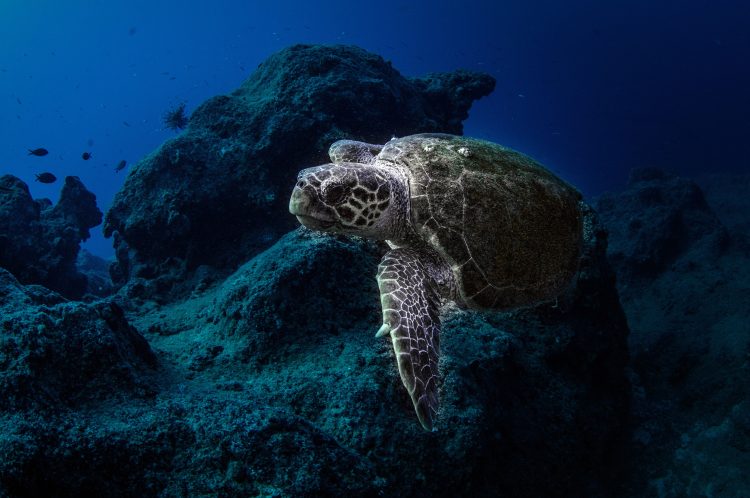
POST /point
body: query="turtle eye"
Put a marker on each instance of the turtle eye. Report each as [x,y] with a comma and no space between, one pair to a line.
[334,193]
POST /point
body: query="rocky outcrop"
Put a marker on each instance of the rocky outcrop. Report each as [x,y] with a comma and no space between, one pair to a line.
[96,269]
[213,195]
[683,277]
[56,354]
[540,388]
[728,197]
[656,220]
[39,242]
[271,382]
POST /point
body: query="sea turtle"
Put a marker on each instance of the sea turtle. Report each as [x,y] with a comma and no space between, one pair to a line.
[466,220]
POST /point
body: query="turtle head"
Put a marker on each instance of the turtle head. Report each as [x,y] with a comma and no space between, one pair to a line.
[348,198]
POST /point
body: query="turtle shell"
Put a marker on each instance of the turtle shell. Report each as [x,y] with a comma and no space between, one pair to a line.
[509,228]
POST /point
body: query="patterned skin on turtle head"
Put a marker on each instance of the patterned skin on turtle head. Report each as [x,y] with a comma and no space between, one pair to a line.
[345,198]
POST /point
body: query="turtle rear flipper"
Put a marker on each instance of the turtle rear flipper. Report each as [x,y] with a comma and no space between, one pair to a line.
[411,307]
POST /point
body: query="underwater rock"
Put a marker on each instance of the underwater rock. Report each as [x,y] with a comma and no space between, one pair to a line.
[683,277]
[728,196]
[96,269]
[712,455]
[192,444]
[212,196]
[273,302]
[542,387]
[272,383]
[39,242]
[657,219]
[56,354]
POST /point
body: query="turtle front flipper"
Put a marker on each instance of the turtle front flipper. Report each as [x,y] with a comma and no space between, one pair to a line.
[351,151]
[411,306]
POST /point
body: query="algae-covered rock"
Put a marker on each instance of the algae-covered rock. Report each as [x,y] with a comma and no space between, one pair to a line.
[683,277]
[274,302]
[212,195]
[728,196]
[96,269]
[187,444]
[55,353]
[39,242]
[272,383]
[655,220]
[541,388]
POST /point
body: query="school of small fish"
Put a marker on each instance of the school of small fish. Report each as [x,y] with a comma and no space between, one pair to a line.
[47,177]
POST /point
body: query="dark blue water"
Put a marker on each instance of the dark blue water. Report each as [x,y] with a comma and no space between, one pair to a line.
[591,89]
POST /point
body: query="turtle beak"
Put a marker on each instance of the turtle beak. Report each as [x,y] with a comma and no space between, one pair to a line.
[299,204]
[305,206]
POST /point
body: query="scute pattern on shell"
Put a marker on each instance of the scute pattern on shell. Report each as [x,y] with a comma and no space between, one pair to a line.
[509,228]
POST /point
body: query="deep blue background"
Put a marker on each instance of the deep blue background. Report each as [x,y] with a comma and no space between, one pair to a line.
[589,88]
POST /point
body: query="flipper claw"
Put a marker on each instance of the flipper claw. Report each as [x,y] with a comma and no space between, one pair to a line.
[384,329]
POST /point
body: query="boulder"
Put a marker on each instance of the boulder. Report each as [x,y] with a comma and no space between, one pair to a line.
[39,242]
[98,279]
[656,220]
[56,354]
[215,195]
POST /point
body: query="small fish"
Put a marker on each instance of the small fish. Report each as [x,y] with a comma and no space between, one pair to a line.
[120,166]
[126,124]
[6,189]
[38,152]
[46,178]
[86,156]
